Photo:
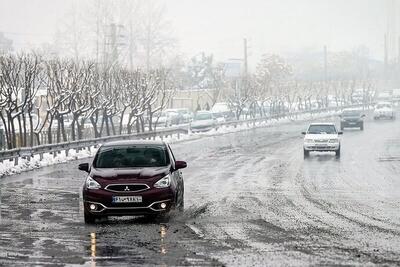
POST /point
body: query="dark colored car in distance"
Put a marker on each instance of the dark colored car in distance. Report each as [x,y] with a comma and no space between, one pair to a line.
[132,178]
[352,118]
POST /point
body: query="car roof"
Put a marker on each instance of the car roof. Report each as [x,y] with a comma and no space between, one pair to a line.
[134,142]
[322,123]
[351,109]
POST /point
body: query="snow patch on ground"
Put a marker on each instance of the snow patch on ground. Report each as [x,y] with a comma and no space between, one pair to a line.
[8,168]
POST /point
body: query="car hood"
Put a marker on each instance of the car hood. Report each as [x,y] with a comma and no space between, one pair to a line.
[351,117]
[321,136]
[201,123]
[131,174]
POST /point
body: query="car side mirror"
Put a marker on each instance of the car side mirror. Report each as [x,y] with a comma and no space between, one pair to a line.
[180,165]
[340,133]
[303,133]
[84,167]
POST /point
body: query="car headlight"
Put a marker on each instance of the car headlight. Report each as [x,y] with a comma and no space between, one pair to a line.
[92,184]
[333,140]
[163,182]
[308,140]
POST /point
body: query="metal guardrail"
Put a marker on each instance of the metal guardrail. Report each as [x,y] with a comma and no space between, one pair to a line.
[29,152]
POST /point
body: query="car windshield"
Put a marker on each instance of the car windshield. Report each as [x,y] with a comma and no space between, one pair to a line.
[131,157]
[322,129]
[351,113]
[203,116]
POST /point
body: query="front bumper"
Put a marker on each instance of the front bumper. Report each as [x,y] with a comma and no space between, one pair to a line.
[322,147]
[151,202]
[383,115]
[201,129]
[351,123]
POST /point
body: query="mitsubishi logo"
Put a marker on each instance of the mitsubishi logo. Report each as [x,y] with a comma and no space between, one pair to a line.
[127,188]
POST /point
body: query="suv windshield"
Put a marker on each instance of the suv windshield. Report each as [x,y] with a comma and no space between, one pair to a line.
[203,116]
[131,157]
[351,113]
[322,129]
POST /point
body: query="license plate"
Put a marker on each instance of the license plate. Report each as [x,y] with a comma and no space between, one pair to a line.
[127,199]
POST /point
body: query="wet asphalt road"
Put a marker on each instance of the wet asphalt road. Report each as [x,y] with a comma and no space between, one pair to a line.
[251,200]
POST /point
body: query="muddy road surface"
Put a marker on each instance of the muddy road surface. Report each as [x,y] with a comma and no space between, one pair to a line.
[251,200]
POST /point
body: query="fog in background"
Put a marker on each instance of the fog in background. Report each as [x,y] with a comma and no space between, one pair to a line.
[218,27]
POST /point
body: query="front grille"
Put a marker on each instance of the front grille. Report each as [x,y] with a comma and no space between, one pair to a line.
[320,141]
[127,187]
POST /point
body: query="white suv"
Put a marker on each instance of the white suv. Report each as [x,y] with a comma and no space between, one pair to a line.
[384,110]
[321,137]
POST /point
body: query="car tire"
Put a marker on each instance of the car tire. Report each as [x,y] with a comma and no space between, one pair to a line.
[337,152]
[306,153]
[362,127]
[341,127]
[88,217]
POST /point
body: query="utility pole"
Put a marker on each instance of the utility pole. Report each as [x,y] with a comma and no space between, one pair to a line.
[325,64]
[245,71]
[245,58]
[386,56]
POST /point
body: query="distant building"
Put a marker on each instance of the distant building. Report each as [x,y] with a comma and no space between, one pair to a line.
[233,68]
[6,45]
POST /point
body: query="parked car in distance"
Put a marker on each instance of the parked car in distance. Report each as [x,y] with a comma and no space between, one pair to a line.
[174,116]
[222,112]
[132,178]
[384,96]
[322,137]
[203,121]
[166,118]
[185,115]
[352,118]
[396,95]
[384,110]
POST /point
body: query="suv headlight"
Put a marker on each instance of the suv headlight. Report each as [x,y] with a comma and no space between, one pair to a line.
[163,182]
[333,140]
[92,184]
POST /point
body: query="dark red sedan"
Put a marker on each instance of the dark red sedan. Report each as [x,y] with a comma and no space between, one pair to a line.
[132,178]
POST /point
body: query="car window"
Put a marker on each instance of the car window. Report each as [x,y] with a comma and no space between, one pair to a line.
[322,129]
[349,113]
[131,157]
[203,116]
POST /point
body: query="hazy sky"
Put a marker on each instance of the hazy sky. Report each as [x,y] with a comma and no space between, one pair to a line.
[219,26]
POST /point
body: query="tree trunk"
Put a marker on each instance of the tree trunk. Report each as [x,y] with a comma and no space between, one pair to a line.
[12,132]
[95,128]
[112,126]
[31,136]
[122,120]
[49,132]
[73,129]
[63,131]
